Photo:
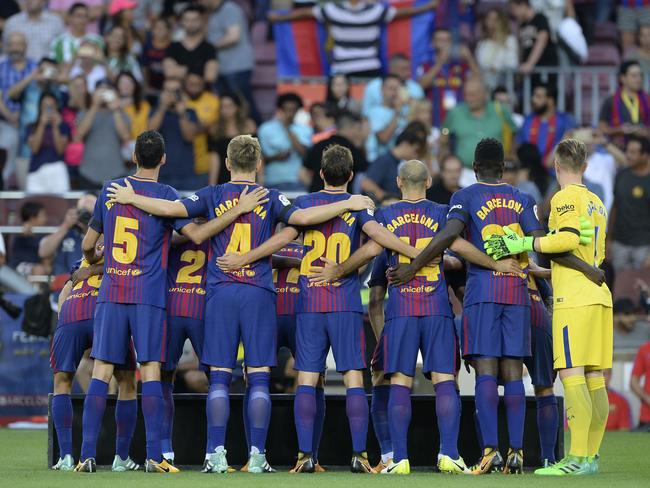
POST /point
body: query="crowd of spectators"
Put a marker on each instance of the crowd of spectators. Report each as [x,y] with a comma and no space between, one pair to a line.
[79,80]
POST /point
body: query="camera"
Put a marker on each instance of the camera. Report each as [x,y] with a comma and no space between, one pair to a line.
[109,96]
[49,72]
[84,216]
[12,310]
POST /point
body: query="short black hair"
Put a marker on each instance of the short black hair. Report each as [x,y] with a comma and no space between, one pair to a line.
[551,91]
[626,65]
[521,2]
[488,157]
[29,210]
[149,149]
[346,118]
[336,165]
[644,142]
[411,135]
[390,76]
[76,6]
[499,89]
[290,97]
[199,9]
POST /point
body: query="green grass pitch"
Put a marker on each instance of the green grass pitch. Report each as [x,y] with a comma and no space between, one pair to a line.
[625,463]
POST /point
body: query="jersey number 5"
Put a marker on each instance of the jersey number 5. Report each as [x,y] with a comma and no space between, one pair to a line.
[125,243]
[336,248]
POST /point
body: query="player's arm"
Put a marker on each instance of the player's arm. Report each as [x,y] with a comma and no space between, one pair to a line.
[154,206]
[65,292]
[81,274]
[232,261]
[284,262]
[322,213]
[331,271]
[385,238]
[404,273]
[537,271]
[89,244]
[468,251]
[376,309]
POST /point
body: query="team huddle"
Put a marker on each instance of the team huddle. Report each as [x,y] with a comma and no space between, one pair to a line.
[158,270]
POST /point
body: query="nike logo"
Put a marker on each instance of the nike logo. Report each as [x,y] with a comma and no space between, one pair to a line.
[166,470]
[462,468]
[391,468]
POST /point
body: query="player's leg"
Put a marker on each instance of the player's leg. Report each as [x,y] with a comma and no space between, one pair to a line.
[319,421]
[68,346]
[221,342]
[548,420]
[346,335]
[379,404]
[439,356]
[259,327]
[126,415]
[312,346]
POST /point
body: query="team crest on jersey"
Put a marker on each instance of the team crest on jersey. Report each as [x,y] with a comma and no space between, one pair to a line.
[109,204]
[284,200]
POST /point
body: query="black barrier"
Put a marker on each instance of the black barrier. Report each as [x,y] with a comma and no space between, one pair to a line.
[335,449]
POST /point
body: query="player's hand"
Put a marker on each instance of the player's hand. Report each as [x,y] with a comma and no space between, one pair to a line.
[596,275]
[586,231]
[402,273]
[508,244]
[360,202]
[249,201]
[325,274]
[508,266]
[80,274]
[231,261]
[121,194]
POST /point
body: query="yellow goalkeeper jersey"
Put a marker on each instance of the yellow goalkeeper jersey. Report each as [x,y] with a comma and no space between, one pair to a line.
[571,288]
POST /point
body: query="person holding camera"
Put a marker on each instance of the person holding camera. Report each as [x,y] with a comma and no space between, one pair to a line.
[64,245]
[179,126]
[104,128]
[47,139]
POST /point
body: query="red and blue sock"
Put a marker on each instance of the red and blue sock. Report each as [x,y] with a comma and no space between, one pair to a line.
[399,418]
[62,417]
[356,407]
[259,409]
[448,415]
[218,409]
[487,401]
[379,413]
[94,407]
[167,428]
[319,421]
[514,396]
[126,415]
[304,407]
[547,424]
[152,411]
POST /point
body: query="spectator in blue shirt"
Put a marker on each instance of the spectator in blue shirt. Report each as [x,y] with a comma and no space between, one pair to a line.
[284,144]
[178,126]
[386,120]
[545,127]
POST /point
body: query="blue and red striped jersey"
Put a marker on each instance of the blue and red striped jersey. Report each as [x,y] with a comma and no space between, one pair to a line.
[335,239]
[634,3]
[416,223]
[538,312]
[136,246]
[247,232]
[484,208]
[286,282]
[186,275]
[545,133]
[80,303]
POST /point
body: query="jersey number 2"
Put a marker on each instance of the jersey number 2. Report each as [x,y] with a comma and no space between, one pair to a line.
[336,248]
[196,260]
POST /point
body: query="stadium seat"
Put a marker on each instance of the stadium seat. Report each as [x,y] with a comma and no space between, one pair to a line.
[606,33]
[55,206]
[625,283]
[603,54]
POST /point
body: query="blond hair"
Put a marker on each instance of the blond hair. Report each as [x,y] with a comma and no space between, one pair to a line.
[244,152]
[571,154]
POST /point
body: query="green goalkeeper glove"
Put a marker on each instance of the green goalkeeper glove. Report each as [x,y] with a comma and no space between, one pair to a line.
[506,245]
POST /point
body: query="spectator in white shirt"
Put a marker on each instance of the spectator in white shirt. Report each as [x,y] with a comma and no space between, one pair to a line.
[498,50]
[40,27]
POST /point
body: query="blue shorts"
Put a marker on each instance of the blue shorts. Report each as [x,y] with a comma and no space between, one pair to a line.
[496,330]
[287,333]
[117,323]
[540,364]
[237,312]
[69,343]
[317,331]
[378,355]
[434,336]
[178,330]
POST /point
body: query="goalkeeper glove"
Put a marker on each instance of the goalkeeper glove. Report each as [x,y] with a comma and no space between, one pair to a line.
[586,231]
[508,244]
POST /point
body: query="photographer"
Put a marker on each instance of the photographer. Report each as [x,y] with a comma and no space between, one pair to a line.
[64,246]
[103,129]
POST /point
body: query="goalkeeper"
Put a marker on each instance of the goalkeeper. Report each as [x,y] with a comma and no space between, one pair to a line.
[582,310]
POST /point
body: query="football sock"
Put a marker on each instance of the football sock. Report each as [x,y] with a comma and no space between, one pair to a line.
[167,428]
[318,421]
[547,424]
[477,428]
[448,416]
[356,407]
[62,417]
[247,430]
[218,409]
[94,406]
[487,400]
[399,418]
[259,410]
[578,412]
[304,406]
[599,413]
[514,396]
[152,411]
[126,415]
[379,413]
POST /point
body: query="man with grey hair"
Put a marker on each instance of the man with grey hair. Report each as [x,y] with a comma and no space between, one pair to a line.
[40,26]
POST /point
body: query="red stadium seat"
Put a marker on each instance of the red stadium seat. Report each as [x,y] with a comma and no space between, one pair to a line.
[606,33]
[625,283]
[603,55]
